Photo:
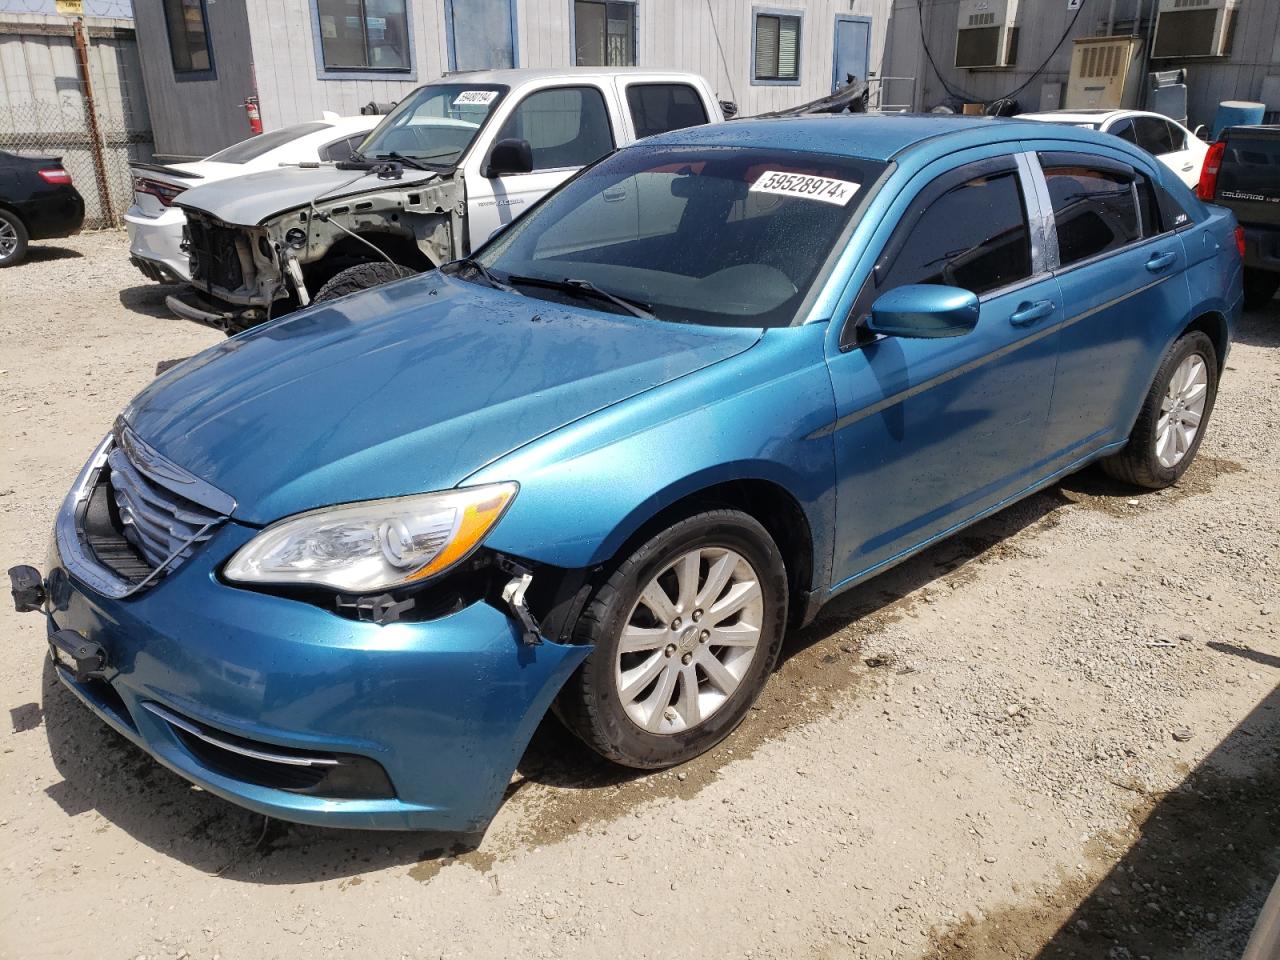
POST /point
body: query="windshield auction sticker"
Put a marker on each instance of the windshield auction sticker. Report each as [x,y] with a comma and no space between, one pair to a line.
[839,192]
[475,98]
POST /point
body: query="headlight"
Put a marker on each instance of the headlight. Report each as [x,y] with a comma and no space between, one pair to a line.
[364,547]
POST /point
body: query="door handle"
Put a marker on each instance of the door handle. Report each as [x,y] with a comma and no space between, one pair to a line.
[614,194]
[1029,313]
[1160,260]
[1188,167]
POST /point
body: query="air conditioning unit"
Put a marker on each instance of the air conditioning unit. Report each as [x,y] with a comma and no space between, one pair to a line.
[1105,73]
[987,33]
[1194,28]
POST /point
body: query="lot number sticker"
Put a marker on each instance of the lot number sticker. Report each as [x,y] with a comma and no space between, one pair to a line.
[839,192]
[475,98]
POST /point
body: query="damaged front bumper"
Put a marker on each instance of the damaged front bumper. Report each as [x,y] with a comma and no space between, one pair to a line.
[190,304]
[297,713]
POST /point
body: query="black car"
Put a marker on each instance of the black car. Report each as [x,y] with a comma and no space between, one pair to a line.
[37,202]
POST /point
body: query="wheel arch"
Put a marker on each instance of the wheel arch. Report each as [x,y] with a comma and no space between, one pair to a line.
[1212,323]
[766,500]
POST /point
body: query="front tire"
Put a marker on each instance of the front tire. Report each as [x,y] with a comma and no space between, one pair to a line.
[1174,415]
[362,276]
[686,631]
[13,239]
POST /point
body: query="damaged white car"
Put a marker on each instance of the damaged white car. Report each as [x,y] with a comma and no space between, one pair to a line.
[454,162]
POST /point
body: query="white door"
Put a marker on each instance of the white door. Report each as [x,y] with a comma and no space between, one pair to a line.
[567,128]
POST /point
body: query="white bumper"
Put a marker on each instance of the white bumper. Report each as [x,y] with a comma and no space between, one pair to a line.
[157,241]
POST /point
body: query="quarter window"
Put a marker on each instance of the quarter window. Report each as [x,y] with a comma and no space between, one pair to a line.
[1155,135]
[974,236]
[565,126]
[777,48]
[187,22]
[659,107]
[1094,211]
[604,34]
[364,34]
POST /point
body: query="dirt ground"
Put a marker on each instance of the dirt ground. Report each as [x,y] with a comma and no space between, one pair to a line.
[1053,736]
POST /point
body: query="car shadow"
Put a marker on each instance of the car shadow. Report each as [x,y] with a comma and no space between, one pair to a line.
[1198,864]
[40,253]
[102,771]
[148,299]
[1261,327]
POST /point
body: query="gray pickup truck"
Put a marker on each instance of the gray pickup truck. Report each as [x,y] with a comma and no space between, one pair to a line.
[1242,172]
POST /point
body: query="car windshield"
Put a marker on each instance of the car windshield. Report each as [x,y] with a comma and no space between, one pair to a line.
[255,147]
[435,124]
[726,236]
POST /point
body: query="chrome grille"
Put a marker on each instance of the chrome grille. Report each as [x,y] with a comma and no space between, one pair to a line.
[158,522]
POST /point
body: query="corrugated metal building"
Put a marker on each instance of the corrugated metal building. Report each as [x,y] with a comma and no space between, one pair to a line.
[301,57]
[1044,49]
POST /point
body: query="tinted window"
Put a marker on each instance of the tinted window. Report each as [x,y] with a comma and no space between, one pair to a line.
[1152,222]
[254,147]
[566,126]
[659,107]
[604,33]
[729,237]
[1153,135]
[1094,211]
[364,34]
[1124,130]
[974,236]
[188,27]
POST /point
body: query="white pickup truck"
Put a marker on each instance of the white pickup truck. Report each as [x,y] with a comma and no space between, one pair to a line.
[454,162]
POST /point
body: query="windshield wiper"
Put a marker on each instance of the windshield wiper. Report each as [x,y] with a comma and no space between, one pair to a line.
[490,277]
[570,285]
[410,161]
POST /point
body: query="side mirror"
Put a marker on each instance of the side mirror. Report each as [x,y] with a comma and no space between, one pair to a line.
[924,310]
[509,156]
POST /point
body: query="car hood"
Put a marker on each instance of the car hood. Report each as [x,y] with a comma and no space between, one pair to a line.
[402,389]
[255,197]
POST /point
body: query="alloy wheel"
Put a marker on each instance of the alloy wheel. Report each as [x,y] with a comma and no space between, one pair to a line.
[8,239]
[1182,410]
[689,640]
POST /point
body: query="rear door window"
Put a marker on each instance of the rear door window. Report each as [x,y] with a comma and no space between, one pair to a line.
[566,127]
[1154,135]
[1095,208]
[973,236]
[659,107]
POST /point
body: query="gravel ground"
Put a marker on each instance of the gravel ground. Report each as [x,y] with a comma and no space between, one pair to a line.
[1054,735]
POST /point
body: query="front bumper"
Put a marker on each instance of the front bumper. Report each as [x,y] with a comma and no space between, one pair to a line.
[445,708]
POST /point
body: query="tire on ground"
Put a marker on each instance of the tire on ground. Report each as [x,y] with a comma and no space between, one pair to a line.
[1138,463]
[590,703]
[362,276]
[9,222]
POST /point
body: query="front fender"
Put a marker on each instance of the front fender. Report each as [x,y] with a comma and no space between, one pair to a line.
[585,489]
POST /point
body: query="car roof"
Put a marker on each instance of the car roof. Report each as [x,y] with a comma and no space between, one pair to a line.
[873,136]
[520,75]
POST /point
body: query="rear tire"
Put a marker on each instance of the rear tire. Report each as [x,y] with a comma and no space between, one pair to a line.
[1259,287]
[361,277]
[659,689]
[1162,444]
[13,239]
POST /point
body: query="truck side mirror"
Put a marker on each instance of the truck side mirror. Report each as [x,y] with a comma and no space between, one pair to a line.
[509,156]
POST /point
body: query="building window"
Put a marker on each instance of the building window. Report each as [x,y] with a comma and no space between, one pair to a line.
[364,34]
[604,34]
[777,48]
[188,24]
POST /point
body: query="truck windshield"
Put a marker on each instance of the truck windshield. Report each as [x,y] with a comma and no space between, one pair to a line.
[435,124]
[720,235]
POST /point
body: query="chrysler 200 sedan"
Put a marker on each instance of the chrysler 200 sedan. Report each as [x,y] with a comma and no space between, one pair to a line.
[338,568]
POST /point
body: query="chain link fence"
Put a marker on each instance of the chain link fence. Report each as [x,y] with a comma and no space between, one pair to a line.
[74,90]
